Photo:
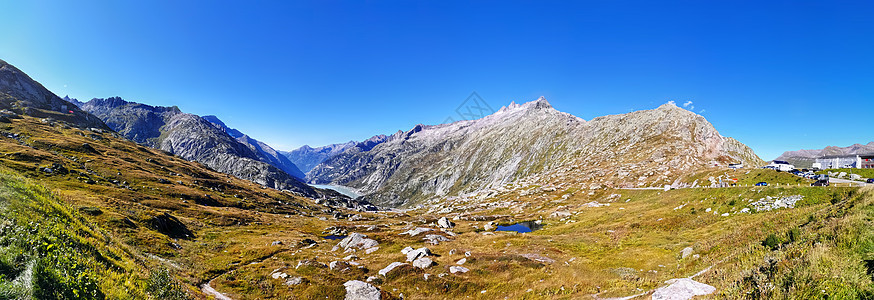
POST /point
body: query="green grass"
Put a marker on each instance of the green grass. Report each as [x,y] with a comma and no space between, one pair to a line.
[48,251]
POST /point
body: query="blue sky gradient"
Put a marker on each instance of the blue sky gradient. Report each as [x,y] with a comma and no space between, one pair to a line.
[781,75]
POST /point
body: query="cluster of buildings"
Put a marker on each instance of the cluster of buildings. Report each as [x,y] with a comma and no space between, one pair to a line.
[852,161]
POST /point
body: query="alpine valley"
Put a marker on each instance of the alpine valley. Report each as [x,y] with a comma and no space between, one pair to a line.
[113,199]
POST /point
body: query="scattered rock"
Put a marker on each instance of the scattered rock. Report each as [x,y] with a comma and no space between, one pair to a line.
[681,289]
[356,240]
[538,258]
[371,250]
[390,267]
[457,269]
[423,262]
[560,214]
[445,223]
[360,290]
[489,226]
[686,252]
[276,243]
[416,231]
[461,261]
[435,239]
[421,252]
[294,281]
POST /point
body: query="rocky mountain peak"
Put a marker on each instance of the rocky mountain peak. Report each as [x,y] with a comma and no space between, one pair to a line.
[23,95]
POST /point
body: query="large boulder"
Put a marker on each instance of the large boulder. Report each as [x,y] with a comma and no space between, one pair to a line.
[423,262]
[682,289]
[360,290]
[421,252]
[356,240]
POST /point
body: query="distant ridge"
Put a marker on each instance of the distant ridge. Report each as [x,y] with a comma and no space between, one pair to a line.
[805,158]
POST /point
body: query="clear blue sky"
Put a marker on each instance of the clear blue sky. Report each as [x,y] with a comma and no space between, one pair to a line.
[777,76]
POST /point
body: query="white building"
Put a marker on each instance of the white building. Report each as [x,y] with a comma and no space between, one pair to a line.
[853,161]
[780,165]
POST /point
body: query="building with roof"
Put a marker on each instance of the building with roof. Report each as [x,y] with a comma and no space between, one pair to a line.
[852,161]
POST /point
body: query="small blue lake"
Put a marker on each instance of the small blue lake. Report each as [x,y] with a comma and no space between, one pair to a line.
[334,237]
[521,227]
[345,190]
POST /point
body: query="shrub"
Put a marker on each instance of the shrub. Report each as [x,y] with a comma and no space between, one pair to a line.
[162,285]
[772,242]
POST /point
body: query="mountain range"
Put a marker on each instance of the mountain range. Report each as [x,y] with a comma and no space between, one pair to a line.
[806,157]
[195,138]
[306,158]
[531,142]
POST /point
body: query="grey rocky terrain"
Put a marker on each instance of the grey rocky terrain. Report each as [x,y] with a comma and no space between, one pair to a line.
[535,143]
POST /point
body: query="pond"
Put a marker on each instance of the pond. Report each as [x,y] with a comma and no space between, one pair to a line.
[334,237]
[345,190]
[521,227]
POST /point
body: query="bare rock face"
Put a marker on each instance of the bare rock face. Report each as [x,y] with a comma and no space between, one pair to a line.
[24,96]
[536,143]
[193,138]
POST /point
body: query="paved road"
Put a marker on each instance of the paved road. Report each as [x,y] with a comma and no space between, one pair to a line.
[837,180]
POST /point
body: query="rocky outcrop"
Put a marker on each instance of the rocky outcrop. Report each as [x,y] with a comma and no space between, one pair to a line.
[536,143]
[806,157]
[193,138]
[24,96]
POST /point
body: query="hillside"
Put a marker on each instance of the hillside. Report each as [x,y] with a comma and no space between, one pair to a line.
[19,94]
[194,138]
[532,143]
[265,152]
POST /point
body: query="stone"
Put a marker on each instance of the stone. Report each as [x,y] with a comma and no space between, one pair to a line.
[371,250]
[445,223]
[423,262]
[457,269]
[421,252]
[560,214]
[391,267]
[461,261]
[435,239]
[686,252]
[682,289]
[489,226]
[360,290]
[294,281]
[278,275]
[357,240]
[407,250]
[276,243]
[416,231]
